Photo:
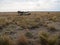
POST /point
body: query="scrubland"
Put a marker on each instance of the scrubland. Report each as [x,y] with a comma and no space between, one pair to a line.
[39,28]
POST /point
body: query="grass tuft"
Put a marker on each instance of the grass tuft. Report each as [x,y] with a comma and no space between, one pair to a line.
[43,38]
[5,40]
[46,39]
[22,40]
[29,34]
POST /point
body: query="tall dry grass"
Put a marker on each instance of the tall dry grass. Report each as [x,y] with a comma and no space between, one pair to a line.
[6,40]
[22,40]
[46,39]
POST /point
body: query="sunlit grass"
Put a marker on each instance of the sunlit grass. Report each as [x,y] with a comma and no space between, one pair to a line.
[46,39]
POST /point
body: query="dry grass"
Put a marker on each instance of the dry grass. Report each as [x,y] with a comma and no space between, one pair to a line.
[53,40]
[35,20]
[22,40]
[53,18]
[29,34]
[43,36]
[30,22]
[51,27]
[5,40]
[46,39]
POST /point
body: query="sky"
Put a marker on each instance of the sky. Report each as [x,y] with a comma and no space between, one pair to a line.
[29,5]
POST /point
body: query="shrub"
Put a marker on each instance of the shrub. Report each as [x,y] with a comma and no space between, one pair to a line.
[33,27]
[59,38]
[43,36]
[29,34]
[47,39]
[22,40]
[1,27]
[5,40]
[48,12]
[51,28]
[53,18]
[53,40]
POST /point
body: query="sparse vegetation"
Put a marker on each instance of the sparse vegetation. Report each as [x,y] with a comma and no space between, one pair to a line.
[43,36]
[22,40]
[47,39]
[51,28]
[29,34]
[53,18]
[53,40]
[15,25]
[5,40]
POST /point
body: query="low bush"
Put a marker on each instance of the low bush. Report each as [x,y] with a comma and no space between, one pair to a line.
[51,28]
[43,36]
[47,39]
[29,34]
[22,40]
[52,40]
[5,40]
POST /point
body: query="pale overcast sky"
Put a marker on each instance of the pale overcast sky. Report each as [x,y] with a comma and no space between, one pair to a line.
[29,5]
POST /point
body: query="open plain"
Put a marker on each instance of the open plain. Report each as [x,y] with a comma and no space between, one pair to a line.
[39,28]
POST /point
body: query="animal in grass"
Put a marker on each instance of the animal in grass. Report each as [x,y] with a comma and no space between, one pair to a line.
[23,13]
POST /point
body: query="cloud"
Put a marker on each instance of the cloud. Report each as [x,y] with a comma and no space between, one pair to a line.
[30,5]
